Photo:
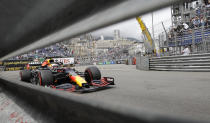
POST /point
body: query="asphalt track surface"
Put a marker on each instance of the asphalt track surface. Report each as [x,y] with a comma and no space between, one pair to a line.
[176,94]
[10,112]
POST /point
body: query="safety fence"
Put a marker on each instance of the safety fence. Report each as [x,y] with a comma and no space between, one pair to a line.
[195,36]
[198,39]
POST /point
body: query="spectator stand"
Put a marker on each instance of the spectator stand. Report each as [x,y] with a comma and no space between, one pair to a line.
[190,27]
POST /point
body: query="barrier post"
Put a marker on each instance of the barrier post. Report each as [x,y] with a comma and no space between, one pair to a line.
[203,39]
[175,35]
[193,41]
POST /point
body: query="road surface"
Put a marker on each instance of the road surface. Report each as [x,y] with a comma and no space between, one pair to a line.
[177,94]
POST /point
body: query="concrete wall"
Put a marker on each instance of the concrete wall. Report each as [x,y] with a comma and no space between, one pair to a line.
[142,62]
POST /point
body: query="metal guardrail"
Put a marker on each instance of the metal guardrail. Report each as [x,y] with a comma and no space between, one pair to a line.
[197,63]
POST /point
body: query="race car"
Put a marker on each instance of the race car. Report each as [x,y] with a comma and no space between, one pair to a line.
[56,76]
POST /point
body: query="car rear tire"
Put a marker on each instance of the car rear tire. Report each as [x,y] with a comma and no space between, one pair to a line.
[25,75]
[45,77]
[92,73]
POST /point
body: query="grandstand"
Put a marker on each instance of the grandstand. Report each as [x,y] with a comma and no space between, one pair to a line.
[56,50]
[190,27]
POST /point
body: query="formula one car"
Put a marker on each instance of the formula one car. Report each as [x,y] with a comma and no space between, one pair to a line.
[53,75]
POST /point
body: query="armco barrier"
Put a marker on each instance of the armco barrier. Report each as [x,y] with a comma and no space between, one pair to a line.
[58,106]
[192,63]
[189,63]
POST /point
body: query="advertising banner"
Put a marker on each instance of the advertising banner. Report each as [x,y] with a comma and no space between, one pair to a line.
[12,65]
[65,61]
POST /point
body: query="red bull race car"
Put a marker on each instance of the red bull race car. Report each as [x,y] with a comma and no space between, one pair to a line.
[56,76]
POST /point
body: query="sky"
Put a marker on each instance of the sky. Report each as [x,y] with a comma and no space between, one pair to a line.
[131,28]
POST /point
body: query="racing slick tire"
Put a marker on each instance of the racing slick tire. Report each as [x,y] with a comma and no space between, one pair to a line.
[25,75]
[45,77]
[92,73]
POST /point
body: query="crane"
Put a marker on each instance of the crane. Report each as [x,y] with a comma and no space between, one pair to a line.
[149,43]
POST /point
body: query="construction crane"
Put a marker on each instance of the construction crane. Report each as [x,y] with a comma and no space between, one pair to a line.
[149,42]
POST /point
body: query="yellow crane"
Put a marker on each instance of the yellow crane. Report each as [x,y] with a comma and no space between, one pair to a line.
[149,43]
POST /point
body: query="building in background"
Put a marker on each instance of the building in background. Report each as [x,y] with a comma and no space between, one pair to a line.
[104,48]
[116,34]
